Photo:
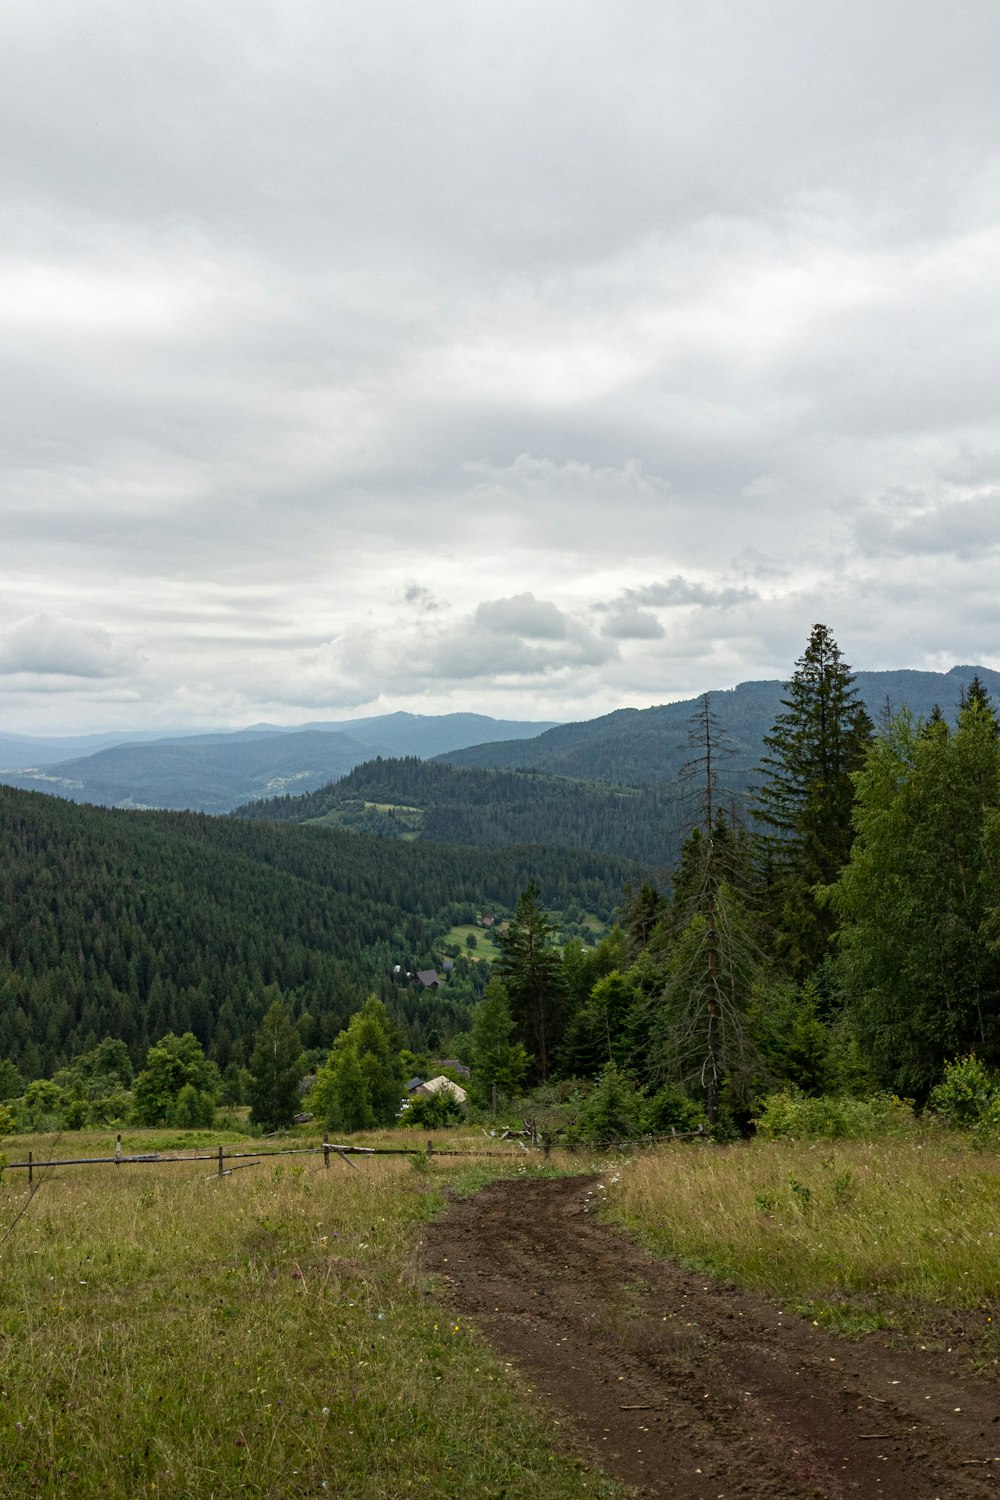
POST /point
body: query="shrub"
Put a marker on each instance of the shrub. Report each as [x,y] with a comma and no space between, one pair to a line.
[671,1109]
[613,1110]
[968,1095]
[433,1113]
[791,1114]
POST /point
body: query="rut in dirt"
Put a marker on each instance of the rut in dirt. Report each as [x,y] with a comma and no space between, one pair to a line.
[688,1389]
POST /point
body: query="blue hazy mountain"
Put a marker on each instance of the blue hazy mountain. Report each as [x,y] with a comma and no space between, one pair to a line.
[216,772]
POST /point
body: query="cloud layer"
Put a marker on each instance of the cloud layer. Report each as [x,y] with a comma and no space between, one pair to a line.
[528,359]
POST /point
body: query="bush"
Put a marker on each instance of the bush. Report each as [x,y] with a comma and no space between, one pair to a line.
[193,1109]
[433,1113]
[829,1117]
[612,1111]
[671,1109]
[968,1095]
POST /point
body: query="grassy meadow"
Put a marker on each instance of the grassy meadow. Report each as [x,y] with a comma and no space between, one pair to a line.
[271,1334]
[854,1234]
[167,1332]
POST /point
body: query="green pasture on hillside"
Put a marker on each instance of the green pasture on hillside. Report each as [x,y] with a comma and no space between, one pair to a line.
[270,1334]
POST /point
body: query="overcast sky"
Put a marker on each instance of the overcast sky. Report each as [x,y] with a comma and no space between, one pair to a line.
[521,356]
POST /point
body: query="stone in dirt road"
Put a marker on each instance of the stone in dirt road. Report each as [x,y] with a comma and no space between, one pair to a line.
[687,1389]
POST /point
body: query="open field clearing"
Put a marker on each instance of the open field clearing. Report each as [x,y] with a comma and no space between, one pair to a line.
[290,1330]
[167,1332]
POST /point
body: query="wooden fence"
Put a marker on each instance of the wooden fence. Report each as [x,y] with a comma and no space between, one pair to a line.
[248,1158]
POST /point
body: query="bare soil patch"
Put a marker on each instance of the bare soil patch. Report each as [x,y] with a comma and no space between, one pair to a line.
[689,1389]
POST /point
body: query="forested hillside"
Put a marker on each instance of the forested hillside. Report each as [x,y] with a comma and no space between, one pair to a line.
[129,924]
[412,798]
[640,746]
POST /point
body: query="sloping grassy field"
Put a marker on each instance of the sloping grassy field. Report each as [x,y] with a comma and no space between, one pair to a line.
[167,1332]
[856,1234]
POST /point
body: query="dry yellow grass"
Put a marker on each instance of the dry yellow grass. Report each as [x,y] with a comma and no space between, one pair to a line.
[892,1225]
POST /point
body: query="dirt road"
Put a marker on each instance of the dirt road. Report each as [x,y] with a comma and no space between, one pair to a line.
[690,1390]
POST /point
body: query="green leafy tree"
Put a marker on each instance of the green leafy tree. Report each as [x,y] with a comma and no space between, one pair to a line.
[532,972]
[105,1069]
[806,796]
[600,1031]
[361,1084]
[43,1100]
[918,901]
[499,1064]
[274,1071]
[193,1109]
[172,1063]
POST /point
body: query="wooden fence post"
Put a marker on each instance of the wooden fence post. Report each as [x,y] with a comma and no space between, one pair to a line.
[31,1169]
[326,1152]
[118,1149]
[430,1149]
[220,1161]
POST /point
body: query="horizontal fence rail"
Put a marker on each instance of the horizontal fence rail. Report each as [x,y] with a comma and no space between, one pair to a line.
[539,1140]
[250,1158]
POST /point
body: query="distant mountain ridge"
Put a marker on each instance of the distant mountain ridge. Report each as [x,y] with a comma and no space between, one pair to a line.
[638,746]
[217,772]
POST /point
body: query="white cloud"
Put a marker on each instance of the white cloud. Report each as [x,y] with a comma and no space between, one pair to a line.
[54,646]
[536,358]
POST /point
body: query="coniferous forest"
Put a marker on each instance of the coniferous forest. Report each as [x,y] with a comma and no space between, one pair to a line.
[132,925]
[837,932]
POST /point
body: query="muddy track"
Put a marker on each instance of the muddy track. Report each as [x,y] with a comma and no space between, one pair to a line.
[688,1389]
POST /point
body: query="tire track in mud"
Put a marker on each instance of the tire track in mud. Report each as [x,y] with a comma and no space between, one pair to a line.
[688,1389]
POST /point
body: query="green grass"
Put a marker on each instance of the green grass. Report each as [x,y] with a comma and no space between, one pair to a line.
[855,1234]
[485,946]
[166,1332]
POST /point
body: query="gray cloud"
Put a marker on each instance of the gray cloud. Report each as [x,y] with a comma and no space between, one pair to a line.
[537,359]
[525,616]
[967,529]
[680,591]
[626,623]
[52,646]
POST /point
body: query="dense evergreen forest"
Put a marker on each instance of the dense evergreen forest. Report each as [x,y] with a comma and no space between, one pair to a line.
[409,798]
[840,937]
[133,924]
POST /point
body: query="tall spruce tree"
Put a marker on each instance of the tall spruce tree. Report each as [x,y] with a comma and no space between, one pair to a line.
[699,1033]
[805,797]
[532,970]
